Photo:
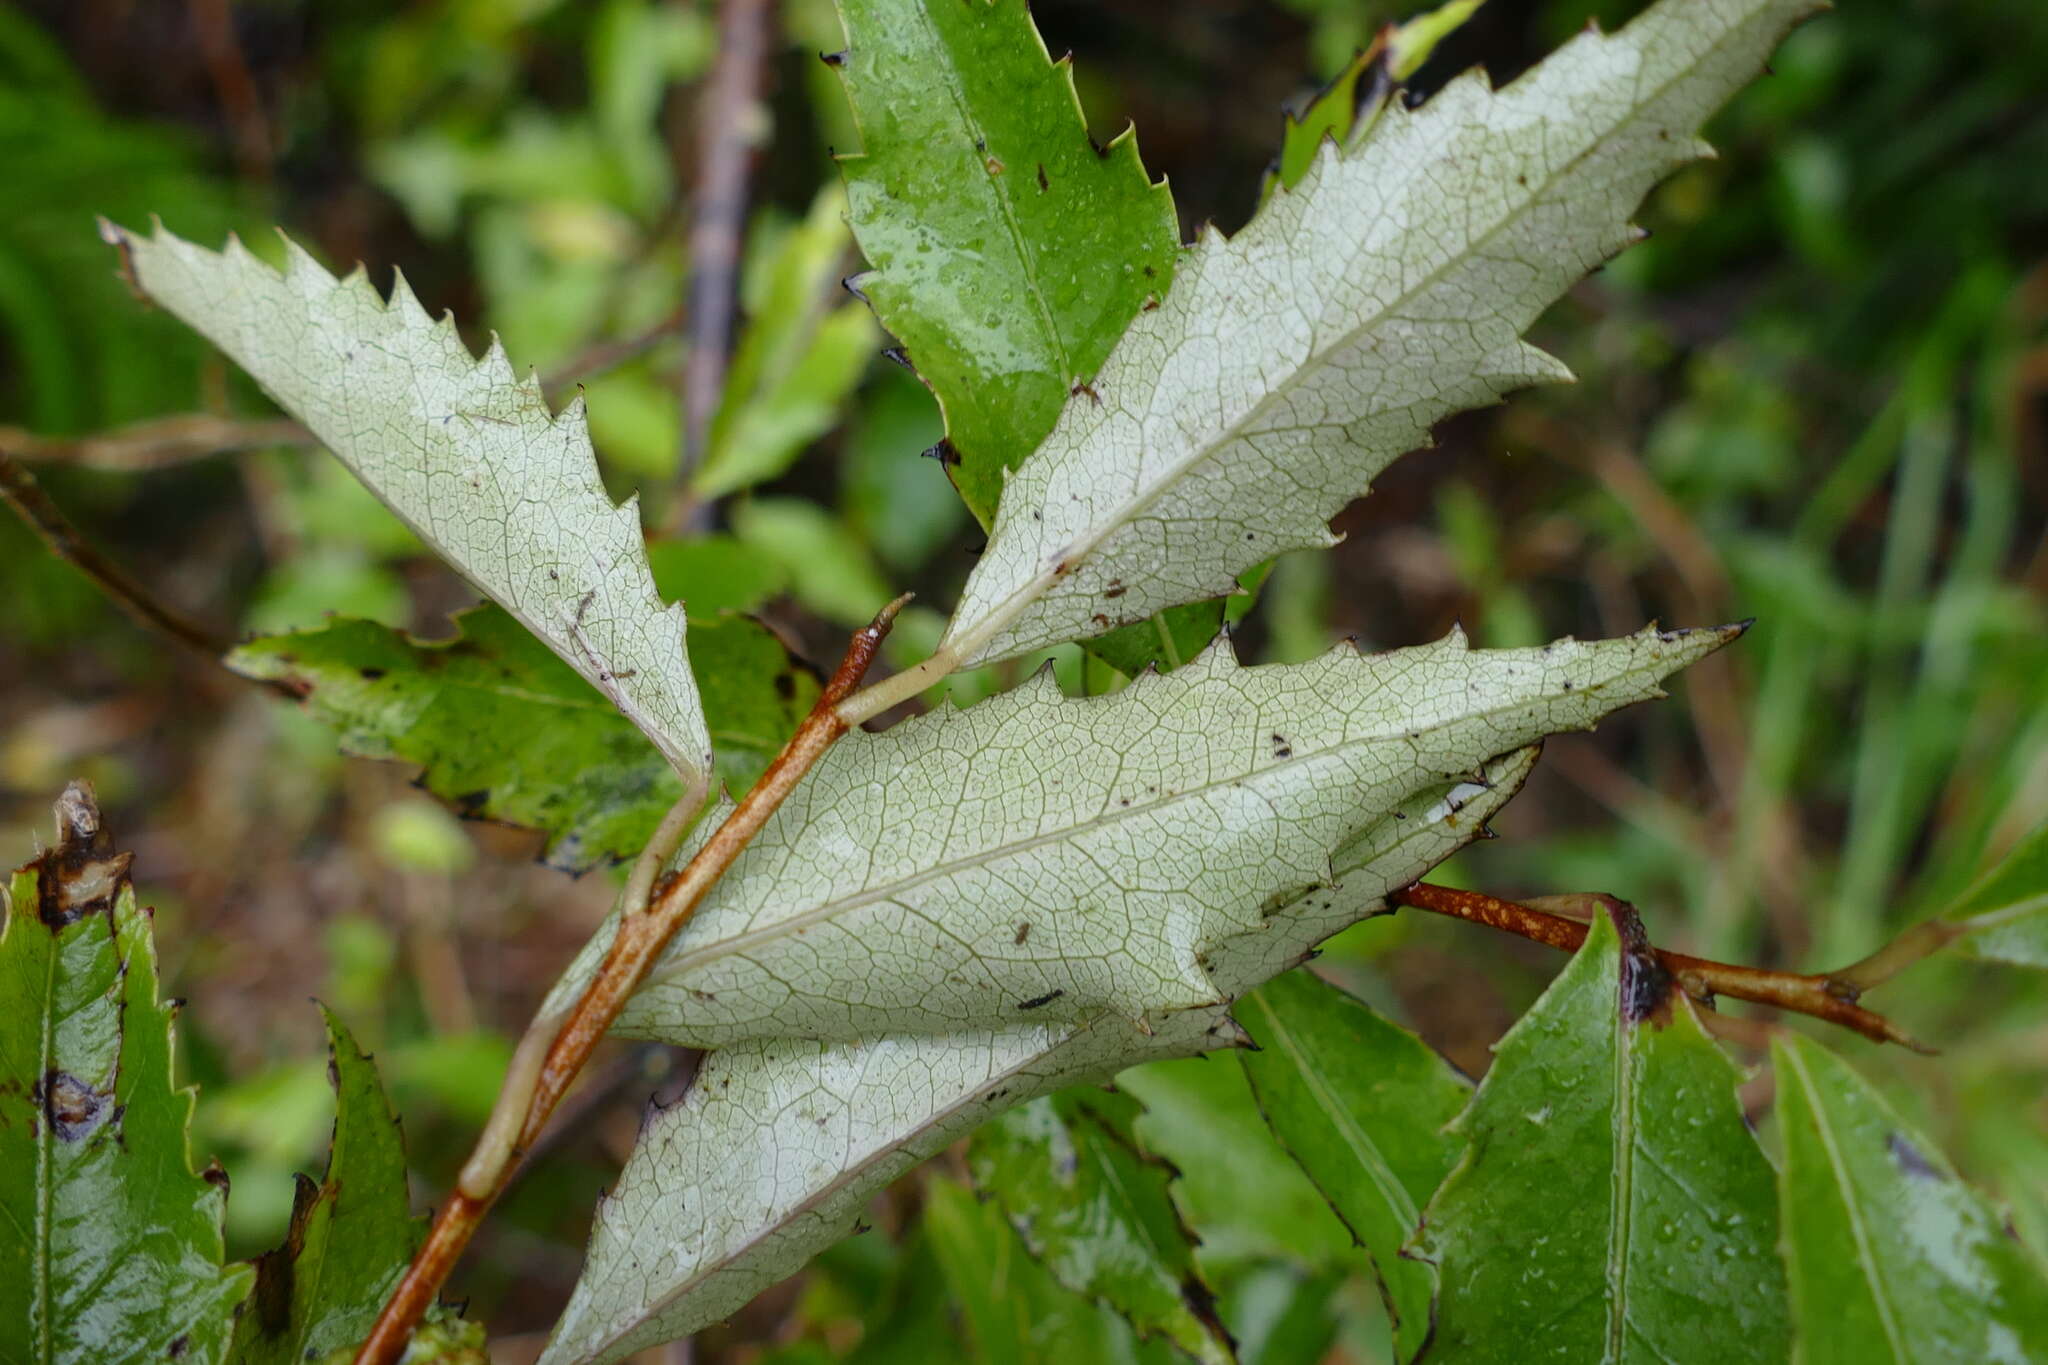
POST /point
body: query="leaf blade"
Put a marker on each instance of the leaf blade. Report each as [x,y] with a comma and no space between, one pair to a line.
[2006,911]
[892,1102]
[1322,341]
[352,1235]
[1008,251]
[939,839]
[1891,1256]
[504,730]
[1092,1205]
[1362,1106]
[111,1240]
[1602,1139]
[462,450]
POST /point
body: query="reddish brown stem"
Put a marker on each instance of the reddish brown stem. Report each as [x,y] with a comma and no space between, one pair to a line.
[1822,996]
[643,931]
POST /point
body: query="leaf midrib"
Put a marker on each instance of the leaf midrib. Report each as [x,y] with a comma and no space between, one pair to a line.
[1010,608]
[737,944]
[1852,1211]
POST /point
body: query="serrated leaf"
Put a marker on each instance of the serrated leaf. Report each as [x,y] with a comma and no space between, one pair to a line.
[1893,1258]
[1093,1207]
[2007,910]
[1015,1313]
[504,730]
[1289,364]
[1363,1106]
[1044,858]
[1611,1204]
[1009,252]
[111,1246]
[877,1108]
[724,1194]
[464,451]
[351,1236]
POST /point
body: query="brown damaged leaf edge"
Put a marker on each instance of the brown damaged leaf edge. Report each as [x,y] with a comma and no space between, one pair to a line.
[555,1047]
[83,875]
[1823,995]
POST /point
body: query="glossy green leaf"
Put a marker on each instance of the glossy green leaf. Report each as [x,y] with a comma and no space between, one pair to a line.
[352,1234]
[1009,252]
[2007,910]
[1093,1207]
[1363,1106]
[1245,1199]
[1893,1258]
[1014,1312]
[1612,1204]
[504,730]
[804,347]
[110,1247]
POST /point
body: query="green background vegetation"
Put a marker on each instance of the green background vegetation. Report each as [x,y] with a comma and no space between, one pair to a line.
[1818,396]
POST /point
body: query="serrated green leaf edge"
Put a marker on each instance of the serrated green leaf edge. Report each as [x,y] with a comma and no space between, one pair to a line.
[111,1246]
[1892,1257]
[504,730]
[1362,1106]
[1008,251]
[1611,1203]
[351,1235]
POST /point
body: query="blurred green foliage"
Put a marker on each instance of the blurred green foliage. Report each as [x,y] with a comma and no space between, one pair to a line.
[1818,396]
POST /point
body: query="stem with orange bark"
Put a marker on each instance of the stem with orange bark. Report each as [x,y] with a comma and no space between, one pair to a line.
[558,1043]
[1823,996]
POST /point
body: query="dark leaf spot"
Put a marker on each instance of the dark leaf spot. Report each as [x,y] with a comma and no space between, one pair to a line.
[1038,1002]
[73,1108]
[1910,1159]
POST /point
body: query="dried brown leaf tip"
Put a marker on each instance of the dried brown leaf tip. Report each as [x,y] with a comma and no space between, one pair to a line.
[82,875]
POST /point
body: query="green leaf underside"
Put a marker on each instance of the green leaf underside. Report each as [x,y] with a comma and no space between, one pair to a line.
[1291,363]
[1094,1208]
[1008,252]
[1362,1105]
[464,451]
[1893,1258]
[1050,858]
[2010,907]
[108,1235]
[352,1234]
[1014,1312]
[777,1149]
[1611,1204]
[504,730]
